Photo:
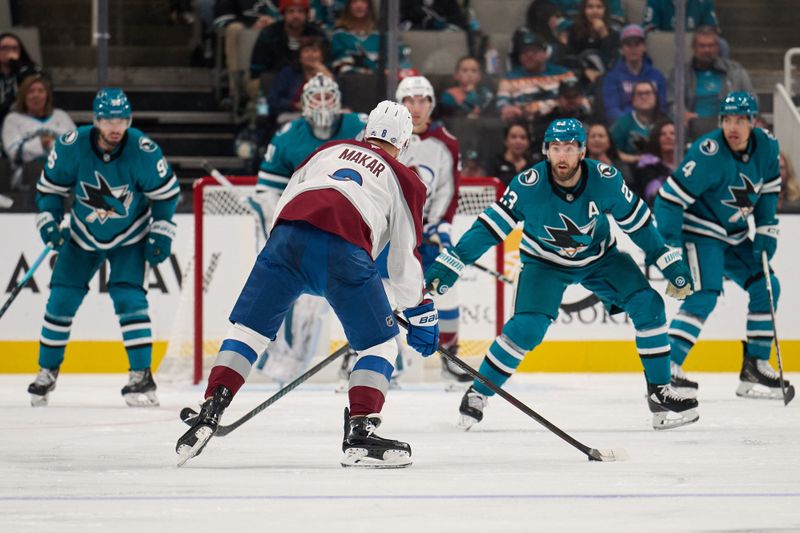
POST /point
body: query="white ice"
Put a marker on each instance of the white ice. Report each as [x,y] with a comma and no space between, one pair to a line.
[87,463]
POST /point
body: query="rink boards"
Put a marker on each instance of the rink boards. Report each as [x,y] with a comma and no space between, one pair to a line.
[96,347]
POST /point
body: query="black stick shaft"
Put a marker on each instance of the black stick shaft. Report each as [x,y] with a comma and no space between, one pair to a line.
[224,430]
[447,354]
[768,280]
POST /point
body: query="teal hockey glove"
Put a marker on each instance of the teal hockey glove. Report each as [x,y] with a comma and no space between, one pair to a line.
[158,246]
[444,271]
[50,231]
[423,327]
[766,240]
[677,273]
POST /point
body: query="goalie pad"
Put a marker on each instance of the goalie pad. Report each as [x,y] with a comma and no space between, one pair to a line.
[263,204]
[297,340]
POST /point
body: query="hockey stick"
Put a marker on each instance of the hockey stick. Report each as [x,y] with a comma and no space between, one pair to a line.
[188,414]
[28,275]
[787,395]
[246,201]
[607,455]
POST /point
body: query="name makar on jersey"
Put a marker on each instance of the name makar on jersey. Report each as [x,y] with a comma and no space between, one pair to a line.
[113,191]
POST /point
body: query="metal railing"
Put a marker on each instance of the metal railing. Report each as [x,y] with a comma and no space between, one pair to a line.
[787,68]
[787,122]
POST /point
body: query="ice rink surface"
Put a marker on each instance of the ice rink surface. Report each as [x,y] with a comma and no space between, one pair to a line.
[87,463]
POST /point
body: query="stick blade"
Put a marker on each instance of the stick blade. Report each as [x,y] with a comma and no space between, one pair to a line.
[789,395]
[608,455]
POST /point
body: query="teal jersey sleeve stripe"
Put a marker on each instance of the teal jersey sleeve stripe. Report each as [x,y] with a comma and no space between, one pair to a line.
[476,241]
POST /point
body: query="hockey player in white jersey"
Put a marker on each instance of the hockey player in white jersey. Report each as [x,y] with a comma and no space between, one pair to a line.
[339,210]
[434,154]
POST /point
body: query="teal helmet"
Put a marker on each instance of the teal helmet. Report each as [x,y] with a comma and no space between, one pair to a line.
[111,102]
[564,130]
[739,103]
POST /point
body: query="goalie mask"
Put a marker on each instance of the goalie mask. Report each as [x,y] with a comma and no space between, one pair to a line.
[322,103]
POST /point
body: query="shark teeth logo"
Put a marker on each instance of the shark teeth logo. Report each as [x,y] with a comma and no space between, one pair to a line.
[571,239]
[105,201]
[743,199]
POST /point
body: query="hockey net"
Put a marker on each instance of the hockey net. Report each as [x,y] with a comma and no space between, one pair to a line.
[225,242]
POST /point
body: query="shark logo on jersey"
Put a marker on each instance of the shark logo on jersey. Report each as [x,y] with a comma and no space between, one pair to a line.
[69,137]
[347,174]
[743,199]
[607,171]
[529,177]
[106,201]
[146,145]
[709,147]
[571,239]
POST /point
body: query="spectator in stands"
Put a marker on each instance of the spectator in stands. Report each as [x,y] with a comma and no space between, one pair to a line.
[356,43]
[516,156]
[327,12]
[279,43]
[472,167]
[541,10]
[633,65]
[592,40]
[15,65]
[433,15]
[530,89]
[600,146]
[708,77]
[657,162]
[30,131]
[236,16]
[632,130]
[470,98]
[570,103]
[660,15]
[789,197]
[287,86]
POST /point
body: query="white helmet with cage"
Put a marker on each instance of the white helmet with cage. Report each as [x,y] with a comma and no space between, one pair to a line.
[415,86]
[390,122]
[322,103]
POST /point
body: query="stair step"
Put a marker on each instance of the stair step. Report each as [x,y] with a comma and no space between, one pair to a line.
[161,78]
[142,100]
[195,144]
[164,117]
[128,56]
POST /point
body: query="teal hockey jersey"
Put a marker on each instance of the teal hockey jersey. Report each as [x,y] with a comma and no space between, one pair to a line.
[564,227]
[113,191]
[294,143]
[714,190]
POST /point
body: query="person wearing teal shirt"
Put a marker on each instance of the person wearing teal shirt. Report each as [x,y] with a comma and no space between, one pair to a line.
[564,203]
[124,196]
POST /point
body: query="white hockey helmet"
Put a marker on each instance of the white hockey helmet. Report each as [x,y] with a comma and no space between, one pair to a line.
[390,122]
[415,86]
[321,101]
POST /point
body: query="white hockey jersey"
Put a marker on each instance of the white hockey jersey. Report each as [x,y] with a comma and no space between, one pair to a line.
[355,190]
[434,155]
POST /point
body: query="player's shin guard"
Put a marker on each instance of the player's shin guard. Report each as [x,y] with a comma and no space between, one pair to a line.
[53,340]
[237,354]
[369,380]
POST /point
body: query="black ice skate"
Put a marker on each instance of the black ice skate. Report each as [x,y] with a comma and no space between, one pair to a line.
[759,380]
[681,383]
[204,426]
[362,448]
[472,405]
[44,383]
[141,389]
[455,377]
[670,409]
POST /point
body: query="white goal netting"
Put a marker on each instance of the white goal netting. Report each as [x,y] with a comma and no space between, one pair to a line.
[226,239]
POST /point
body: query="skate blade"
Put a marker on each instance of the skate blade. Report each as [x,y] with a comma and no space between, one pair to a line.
[38,401]
[358,458]
[466,422]
[141,399]
[662,420]
[186,452]
[756,391]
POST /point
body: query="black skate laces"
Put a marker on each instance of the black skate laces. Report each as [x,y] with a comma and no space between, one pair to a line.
[45,377]
[668,392]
